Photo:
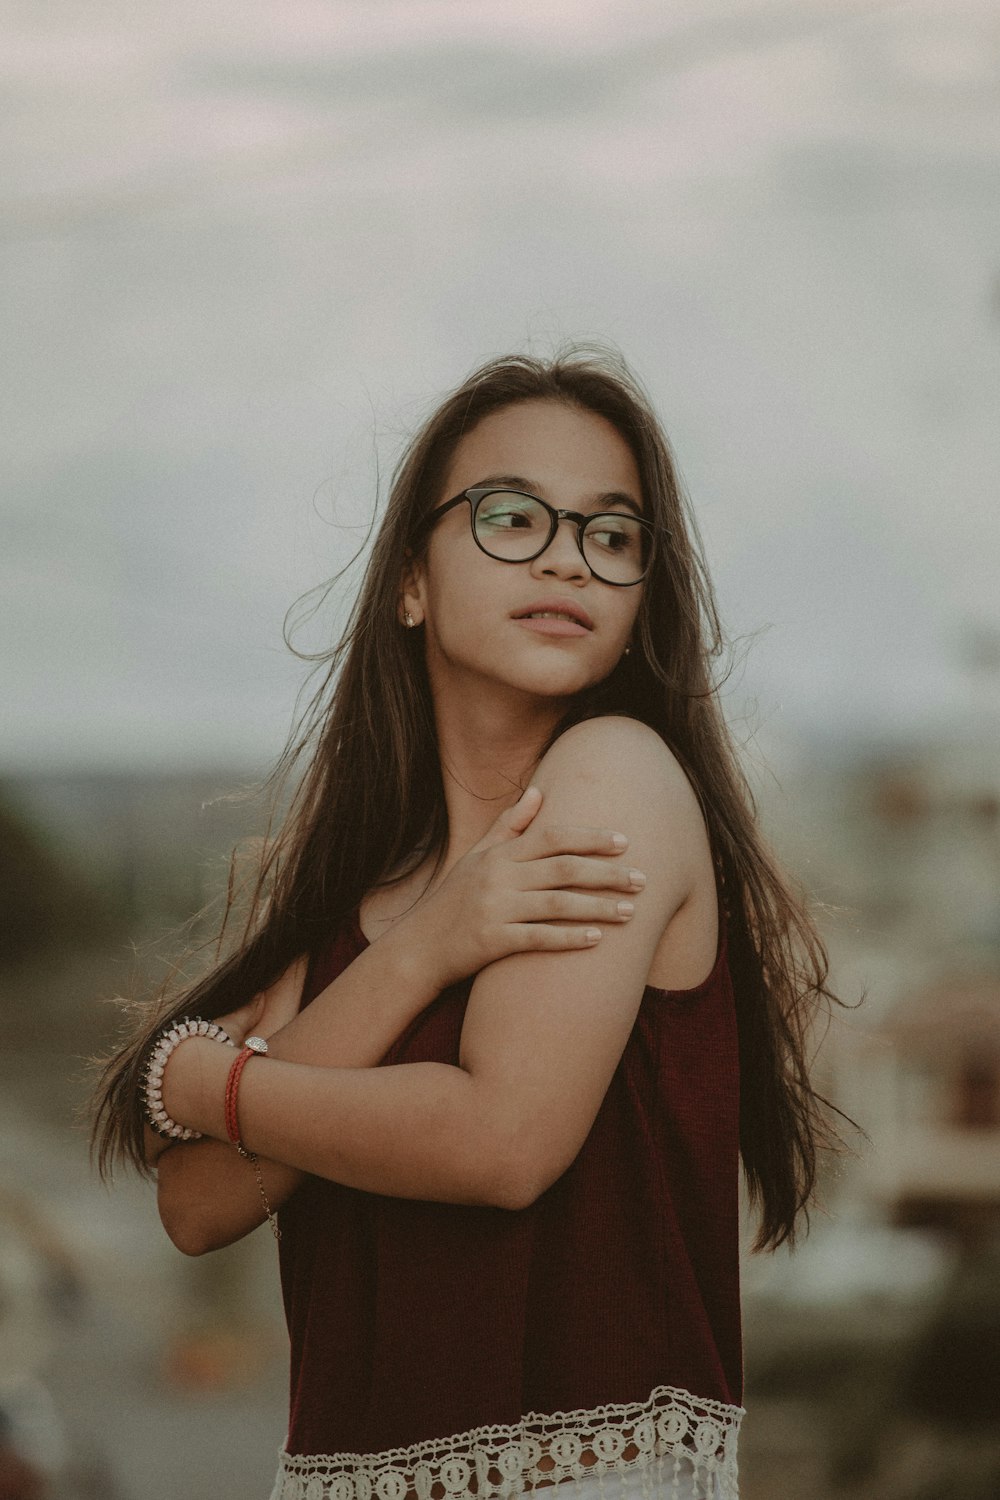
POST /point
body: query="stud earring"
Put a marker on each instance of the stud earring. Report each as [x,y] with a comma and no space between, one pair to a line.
[410,621]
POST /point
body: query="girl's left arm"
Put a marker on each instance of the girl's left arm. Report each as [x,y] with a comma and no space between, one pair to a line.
[543,1032]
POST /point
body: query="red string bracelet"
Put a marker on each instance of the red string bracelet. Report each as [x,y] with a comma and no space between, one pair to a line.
[254,1046]
[233,1086]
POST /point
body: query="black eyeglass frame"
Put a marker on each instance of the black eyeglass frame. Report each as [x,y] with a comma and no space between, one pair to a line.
[478,493]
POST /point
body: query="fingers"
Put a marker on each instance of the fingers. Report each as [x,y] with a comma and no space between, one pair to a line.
[562,870]
[512,822]
[549,839]
[577,870]
[573,906]
[283,999]
[517,818]
[535,937]
[245,1018]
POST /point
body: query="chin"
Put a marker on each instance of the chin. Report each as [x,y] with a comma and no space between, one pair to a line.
[547,683]
[543,675]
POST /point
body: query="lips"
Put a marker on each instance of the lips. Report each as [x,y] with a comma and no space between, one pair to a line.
[566,607]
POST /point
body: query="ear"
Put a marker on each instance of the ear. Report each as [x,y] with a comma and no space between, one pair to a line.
[412,590]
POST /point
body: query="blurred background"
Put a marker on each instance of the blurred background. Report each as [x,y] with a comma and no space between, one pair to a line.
[245,249]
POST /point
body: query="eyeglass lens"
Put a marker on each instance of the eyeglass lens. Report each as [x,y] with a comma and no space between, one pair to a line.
[515,528]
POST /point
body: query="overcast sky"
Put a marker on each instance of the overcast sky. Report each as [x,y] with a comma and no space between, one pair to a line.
[246,246]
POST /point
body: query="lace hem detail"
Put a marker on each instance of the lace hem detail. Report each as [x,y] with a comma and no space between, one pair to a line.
[679,1446]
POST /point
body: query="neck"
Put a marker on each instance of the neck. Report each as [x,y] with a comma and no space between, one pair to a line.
[490,746]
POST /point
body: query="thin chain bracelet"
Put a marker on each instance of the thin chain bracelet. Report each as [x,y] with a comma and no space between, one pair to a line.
[164,1044]
[251,1157]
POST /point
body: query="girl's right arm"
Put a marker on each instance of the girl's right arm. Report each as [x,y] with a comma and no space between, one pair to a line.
[505,896]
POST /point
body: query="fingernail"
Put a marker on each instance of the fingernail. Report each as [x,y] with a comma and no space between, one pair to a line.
[619,840]
[625,908]
[593,934]
[636,878]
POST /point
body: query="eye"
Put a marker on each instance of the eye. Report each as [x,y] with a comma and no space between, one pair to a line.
[614,534]
[509,513]
[503,516]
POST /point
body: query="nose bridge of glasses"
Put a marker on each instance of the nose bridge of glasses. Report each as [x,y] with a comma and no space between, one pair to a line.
[574,533]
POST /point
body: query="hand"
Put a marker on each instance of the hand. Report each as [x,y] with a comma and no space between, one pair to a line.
[272,1009]
[518,890]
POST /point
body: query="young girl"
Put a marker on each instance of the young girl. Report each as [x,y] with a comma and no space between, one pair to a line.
[522,984]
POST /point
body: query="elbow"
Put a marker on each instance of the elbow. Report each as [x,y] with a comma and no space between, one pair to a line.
[192,1236]
[187,1235]
[191,1247]
[188,1228]
[515,1196]
[510,1156]
[519,1190]
[519,1178]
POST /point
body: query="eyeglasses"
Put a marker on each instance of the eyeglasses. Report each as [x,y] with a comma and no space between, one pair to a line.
[515,527]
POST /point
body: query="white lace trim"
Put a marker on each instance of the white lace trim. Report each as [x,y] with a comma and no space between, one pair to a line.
[679,1446]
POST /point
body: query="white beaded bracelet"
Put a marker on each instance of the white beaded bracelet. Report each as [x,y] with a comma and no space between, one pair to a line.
[152,1089]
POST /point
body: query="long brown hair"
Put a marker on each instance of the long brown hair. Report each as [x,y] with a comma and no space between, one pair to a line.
[371,802]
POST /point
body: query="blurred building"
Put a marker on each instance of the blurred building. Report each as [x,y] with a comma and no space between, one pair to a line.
[938,1165]
[900,849]
[928,843]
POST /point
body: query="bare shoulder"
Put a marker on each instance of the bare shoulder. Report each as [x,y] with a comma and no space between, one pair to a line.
[626,759]
[618,773]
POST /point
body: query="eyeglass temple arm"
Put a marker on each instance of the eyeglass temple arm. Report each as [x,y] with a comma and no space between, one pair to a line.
[434,516]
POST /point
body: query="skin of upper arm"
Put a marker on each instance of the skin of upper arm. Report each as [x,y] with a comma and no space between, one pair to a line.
[544,1032]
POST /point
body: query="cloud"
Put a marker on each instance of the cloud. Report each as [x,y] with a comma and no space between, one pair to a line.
[238,255]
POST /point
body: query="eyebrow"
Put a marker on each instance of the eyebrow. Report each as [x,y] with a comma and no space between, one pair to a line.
[518,482]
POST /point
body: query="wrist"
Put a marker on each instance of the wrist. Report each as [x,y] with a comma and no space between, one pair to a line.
[194,1085]
[413,956]
[165,1043]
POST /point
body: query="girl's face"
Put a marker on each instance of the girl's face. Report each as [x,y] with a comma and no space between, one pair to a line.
[470,603]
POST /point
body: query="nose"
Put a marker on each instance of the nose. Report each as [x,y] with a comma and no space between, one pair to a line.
[562,557]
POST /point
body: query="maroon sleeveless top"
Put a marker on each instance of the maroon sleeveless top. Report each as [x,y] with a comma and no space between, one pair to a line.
[413,1321]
